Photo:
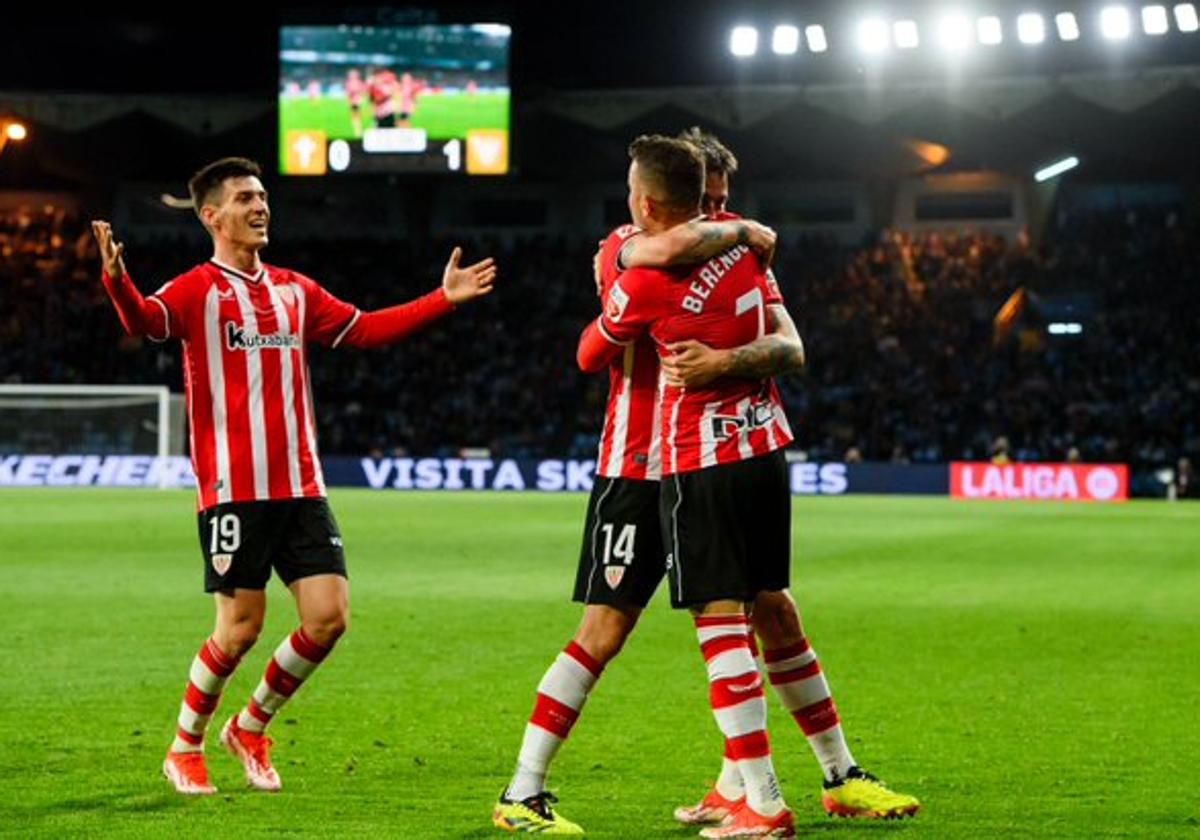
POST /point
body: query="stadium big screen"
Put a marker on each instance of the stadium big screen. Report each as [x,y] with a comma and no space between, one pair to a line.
[372,99]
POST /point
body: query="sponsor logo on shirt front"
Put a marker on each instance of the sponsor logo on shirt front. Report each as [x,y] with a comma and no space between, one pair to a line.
[238,338]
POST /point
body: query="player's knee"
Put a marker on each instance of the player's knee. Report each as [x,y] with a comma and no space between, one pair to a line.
[603,634]
[325,630]
[238,637]
[776,619]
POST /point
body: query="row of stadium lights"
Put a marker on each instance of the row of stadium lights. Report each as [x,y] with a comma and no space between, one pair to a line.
[955,33]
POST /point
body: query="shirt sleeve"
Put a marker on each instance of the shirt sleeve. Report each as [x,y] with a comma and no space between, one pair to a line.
[177,299]
[770,286]
[327,318]
[631,306]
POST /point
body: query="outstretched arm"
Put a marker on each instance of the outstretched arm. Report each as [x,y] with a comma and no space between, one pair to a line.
[387,326]
[695,242]
[693,364]
[139,315]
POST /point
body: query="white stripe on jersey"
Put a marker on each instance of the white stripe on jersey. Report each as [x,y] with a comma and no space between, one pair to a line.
[782,421]
[654,452]
[620,434]
[290,409]
[708,440]
[216,386]
[310,428]
[745,449]
[254,392]
[672,434]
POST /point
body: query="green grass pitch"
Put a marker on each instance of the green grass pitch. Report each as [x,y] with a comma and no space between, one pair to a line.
[1027,670]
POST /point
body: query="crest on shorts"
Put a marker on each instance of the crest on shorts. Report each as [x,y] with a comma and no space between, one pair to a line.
[221,563]
[614,575]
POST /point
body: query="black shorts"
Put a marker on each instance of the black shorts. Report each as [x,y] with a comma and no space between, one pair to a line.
[242,541]
[621,561]
[385,121]
[727,530]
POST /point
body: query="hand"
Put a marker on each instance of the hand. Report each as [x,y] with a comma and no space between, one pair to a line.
[761,240]
[111,251]
[596,270]
[693,364]
[461,285]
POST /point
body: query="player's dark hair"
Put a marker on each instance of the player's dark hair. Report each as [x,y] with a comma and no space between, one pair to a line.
[208,180]
[673,170]
[717,157]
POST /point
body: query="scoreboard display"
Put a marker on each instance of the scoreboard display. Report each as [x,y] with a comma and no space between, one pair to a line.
[394,99]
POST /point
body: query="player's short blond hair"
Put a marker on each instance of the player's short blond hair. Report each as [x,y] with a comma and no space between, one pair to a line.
[672,169]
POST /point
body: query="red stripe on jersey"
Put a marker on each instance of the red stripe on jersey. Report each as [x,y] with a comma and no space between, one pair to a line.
[198,701]
[802,673]
[722,644]
[789,652]
[553,716]
[190,738]
[754,745]
[584,658]
[280,681]
[307,648]
[818,717]
[734,691]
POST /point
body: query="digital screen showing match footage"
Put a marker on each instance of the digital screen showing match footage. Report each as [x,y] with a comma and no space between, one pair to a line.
[362,99]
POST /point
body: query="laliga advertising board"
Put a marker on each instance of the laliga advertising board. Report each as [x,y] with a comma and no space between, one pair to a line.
[1056,482]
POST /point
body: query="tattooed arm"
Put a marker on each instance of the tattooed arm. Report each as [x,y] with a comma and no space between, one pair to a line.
[779,352]
[696,241]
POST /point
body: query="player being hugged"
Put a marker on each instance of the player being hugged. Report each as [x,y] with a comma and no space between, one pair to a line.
[244,327]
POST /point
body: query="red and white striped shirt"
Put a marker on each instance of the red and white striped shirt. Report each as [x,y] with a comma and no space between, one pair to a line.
[249,396]
[631,443]
[721,303]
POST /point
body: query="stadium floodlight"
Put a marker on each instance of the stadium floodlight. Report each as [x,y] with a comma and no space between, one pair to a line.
[989,30]
[743,41]
[1154,20]
[905,34]
[1185,17]
[1068,27]
[815,35]
[1031,28]
[1056,168]
[1114,23]
[873,35]
[954,33]
[15,131]
[785,40]
[1065,328]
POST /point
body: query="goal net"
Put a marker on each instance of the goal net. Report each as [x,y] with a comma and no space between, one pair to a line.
[88,420]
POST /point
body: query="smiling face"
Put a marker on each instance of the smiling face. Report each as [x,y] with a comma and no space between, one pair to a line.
[239,215]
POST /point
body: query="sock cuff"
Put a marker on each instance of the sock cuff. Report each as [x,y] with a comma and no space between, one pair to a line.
[219,662]
[771,655]
[576,652]
[303,644]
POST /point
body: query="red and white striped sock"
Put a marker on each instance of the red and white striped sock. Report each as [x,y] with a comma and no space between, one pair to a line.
[560,698]
[738,704]
[210,671]
[796,675]
[291,664]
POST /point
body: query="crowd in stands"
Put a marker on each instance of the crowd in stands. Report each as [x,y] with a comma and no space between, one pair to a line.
[903,359]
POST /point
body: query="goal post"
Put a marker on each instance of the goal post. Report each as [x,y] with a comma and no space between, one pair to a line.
[40,419]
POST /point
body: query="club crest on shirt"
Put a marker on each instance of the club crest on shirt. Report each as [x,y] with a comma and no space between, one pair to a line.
[286,294]
[221,563]
[613,575]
